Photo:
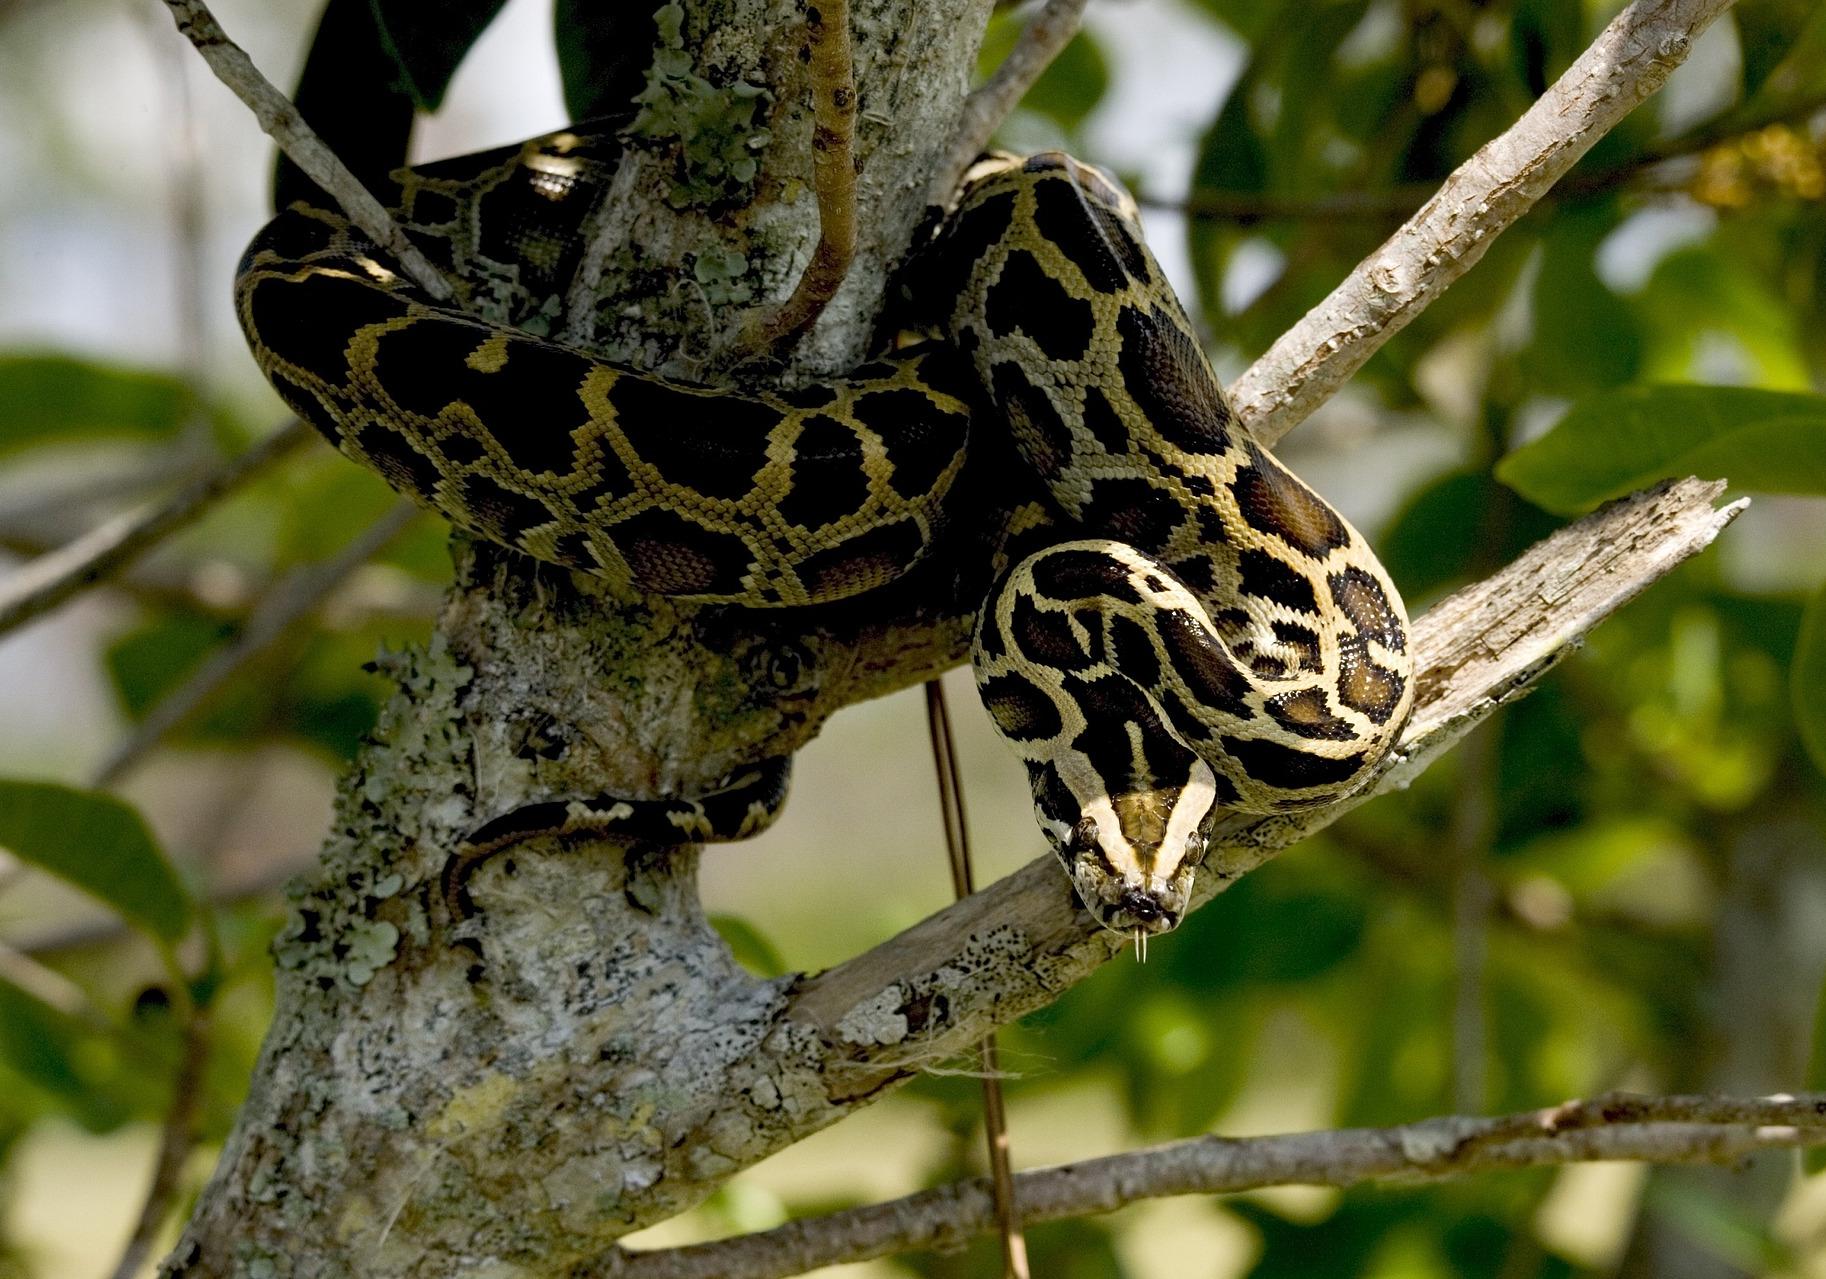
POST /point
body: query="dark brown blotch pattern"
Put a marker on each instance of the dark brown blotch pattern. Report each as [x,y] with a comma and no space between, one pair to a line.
[1276,504]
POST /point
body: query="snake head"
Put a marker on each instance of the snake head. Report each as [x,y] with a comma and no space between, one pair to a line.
[1132,856]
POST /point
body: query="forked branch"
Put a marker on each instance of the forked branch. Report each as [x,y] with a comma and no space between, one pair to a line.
[677,1069]
[1483,197]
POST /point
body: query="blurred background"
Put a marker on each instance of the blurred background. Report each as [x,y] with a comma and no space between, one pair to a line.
[1617,883]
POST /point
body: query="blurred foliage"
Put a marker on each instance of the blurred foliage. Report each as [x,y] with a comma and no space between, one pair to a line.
[99,844]
[48,400]
[1614,825]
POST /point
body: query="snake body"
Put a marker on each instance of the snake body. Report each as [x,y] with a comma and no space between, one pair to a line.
[1203,632]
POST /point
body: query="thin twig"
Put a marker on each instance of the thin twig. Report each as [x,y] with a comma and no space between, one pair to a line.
[68,505]
[294,597]
[102,928]
[1246,207]
[1400,202]
[1652,1129]
[190,230]
[1486,194]
[280,120]
[1050,31]
[55,576]
[177,1138]
[831,75]
[963,883]
[220,587]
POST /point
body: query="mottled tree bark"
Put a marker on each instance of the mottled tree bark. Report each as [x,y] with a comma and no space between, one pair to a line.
[508,1095]
[577,1066]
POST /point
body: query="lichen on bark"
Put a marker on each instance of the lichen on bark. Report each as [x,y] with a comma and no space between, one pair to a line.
[508,1095]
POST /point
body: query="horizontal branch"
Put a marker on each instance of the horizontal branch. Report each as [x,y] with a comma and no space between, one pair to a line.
[1483,196]
[280,121]
[55,576]
[1650,1129]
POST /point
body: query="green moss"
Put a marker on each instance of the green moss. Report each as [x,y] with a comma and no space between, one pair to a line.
[714,128]
[723,273]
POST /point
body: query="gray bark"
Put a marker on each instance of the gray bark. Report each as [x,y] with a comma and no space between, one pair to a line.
[509,1096]
[579,1068]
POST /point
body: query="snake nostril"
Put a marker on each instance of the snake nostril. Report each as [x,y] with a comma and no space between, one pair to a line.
[1143,907]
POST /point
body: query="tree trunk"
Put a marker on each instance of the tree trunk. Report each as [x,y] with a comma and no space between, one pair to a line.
[573,1068]
[509,1095]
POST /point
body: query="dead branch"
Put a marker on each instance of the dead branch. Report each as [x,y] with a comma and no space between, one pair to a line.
[1650,1129]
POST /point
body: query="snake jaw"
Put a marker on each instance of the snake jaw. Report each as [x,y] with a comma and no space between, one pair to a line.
[1129,902]
[1138,910]
[1132,856]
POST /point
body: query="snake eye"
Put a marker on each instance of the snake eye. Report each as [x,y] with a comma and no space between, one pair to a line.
[1084,835]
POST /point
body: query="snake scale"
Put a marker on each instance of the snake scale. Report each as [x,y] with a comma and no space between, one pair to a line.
[1200,632]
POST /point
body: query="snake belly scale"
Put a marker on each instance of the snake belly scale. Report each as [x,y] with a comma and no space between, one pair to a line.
[1200,631]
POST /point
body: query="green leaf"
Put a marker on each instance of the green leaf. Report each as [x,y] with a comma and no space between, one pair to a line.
[148,662]
[1767,30]
[428,41]
[48,399]
[1800,72]
[38,1042]
[1808,681]
[604,49]
[752,950]
[1618,442]
[354,93]
[1712,313]
[1585,337]
[98,1078]
[1431,543]
[99,844]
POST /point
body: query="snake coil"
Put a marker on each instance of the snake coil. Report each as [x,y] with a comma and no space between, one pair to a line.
[1201,631]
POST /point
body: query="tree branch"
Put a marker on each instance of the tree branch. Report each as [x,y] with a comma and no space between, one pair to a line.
[1050,31]
[1482,197]
[218,586]
[518,1090]
[280,121]
[1656,1129]
[177,1138]
[57,575]
[930,992]
[832,81]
